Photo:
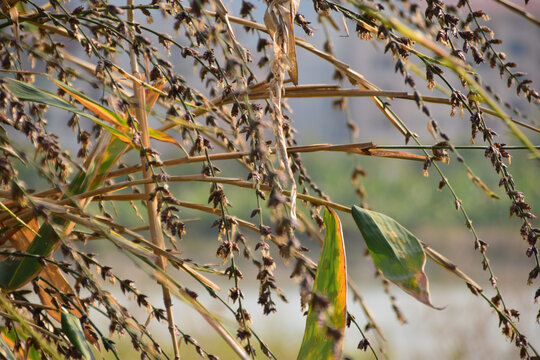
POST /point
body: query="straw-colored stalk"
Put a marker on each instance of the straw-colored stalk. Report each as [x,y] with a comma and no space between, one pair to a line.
[151,203]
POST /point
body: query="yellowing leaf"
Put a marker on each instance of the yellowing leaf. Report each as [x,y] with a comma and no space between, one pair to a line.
[152,95]
[326,341]
[279,20]
[161,136]
[395,251]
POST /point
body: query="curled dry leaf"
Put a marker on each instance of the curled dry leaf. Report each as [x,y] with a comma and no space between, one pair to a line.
[279,20]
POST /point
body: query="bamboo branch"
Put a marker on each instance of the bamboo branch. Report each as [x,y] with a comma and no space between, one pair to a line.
[519,10]
[432,254]
[367,149]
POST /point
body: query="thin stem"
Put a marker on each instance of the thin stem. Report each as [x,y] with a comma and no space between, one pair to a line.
[519,10]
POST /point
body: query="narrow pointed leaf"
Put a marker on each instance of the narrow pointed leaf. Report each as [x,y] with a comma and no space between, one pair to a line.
[73,330]
[98,109]
[161,136]
[330,283]
[395,251]
[30,92]
[110,116]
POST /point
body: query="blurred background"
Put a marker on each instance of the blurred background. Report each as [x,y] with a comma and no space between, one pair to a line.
[466,328]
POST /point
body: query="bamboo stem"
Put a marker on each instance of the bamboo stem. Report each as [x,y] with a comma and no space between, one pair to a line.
[147,172]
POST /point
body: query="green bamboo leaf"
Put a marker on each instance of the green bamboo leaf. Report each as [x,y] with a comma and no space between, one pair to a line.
[74,331]
[326,342]
[28,92]
[395,251]
[17,271]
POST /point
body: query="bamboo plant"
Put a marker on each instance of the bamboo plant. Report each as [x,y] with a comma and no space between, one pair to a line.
[113,71]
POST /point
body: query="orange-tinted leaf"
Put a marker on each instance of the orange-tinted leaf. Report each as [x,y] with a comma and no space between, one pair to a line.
[109,116]
[13,215]
[152,96]
[16,272]
[100,111]
[330,283]
[6,344]
[8,341]
[161,136]
[20,241]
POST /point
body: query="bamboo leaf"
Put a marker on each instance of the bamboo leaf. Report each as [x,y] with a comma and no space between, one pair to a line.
[98,109]
[110,116]
[30,92]
[73,330]
[161,136]
[326,342]
[115,149]
[14,273]
[395,251]
[20,240]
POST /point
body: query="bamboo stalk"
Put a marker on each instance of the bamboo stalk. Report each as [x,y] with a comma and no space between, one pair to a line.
[151,203]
